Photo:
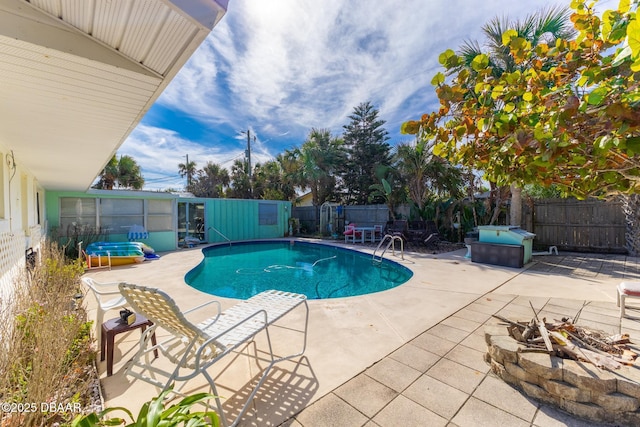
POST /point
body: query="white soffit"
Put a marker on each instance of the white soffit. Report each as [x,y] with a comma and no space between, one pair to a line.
[76,76]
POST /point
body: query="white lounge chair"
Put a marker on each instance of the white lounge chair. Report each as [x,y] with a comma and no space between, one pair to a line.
[194,348]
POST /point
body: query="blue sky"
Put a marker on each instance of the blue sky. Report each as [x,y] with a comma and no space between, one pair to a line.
[282,67]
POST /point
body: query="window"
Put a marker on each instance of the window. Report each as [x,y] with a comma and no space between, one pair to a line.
[267,214]
[159,215]
[117,215]
[77,212]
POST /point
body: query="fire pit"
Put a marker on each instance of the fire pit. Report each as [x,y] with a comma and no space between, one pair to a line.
[609,392]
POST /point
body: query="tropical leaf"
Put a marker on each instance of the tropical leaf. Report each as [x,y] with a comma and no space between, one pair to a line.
[597,96]
[633,38]
[547,104]
[625,53]
[446,56]
[633,145]
[438,79]
[624,6]
[508,35]
[480,62]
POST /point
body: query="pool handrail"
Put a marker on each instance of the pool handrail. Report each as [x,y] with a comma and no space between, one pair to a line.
[392,243]
[220,233]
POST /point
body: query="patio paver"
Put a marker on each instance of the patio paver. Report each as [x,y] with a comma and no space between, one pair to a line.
[427,367]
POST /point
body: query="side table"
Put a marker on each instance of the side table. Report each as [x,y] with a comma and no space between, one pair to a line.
[113,327]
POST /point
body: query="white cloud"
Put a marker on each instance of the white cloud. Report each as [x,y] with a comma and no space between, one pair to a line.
[159,151]
[285,66]
[306,64]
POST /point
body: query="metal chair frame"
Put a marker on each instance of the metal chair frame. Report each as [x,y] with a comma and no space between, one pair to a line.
[194,348]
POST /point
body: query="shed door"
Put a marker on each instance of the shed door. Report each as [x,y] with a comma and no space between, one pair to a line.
[191,227]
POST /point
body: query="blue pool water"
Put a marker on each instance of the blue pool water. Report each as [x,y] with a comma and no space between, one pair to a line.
[315,270]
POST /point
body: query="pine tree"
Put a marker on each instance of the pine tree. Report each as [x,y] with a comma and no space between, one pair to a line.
[366,142]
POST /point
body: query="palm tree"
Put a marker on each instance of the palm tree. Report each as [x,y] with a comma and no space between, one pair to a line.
[187,169]
[320,158]
[289,168]
[109,175]
[427,175]
[210,181]
[129,173]
[412,162]
[123,173]
[391,188]
[269,182]
[240,185]
[544,26]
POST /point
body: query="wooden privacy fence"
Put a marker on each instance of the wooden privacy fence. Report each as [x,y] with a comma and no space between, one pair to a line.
[308,217]
[576,225]
[568,224]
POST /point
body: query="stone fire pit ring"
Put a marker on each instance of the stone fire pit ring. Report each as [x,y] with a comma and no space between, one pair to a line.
[578,388]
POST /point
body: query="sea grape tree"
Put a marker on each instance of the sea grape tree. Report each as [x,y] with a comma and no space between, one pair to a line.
[568,115]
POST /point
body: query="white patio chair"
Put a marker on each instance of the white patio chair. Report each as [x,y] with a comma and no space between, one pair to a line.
[377,233]
[194,348]
[350,233]
[108,297]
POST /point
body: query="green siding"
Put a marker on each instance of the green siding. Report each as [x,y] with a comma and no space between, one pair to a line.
[236,219]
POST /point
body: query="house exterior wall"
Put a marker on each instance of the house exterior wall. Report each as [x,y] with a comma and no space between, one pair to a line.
[21,217]
[55,113]
[305,200]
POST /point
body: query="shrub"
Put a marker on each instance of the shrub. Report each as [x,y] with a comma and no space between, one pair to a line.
[46,355]
[153,413]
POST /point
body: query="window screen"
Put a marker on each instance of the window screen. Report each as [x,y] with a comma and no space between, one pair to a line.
[159,215]
[78,212]
[267,214]
[118,215]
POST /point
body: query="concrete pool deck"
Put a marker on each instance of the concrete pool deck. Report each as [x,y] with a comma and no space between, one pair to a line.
[368,356]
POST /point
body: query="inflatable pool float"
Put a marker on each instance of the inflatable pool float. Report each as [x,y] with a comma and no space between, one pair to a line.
[121,246]
[116,253]
[97,260]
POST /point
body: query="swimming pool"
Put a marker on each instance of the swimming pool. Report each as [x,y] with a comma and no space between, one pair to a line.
[318,271]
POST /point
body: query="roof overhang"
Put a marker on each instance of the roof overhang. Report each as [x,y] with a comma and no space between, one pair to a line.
[77,76]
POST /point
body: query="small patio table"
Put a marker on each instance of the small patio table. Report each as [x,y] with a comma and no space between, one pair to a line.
[363,233]
[113,327]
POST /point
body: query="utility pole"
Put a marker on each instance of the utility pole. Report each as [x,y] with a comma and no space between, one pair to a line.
[188,173]
[248,152]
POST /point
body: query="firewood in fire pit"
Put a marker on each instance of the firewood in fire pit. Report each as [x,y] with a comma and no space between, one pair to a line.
[566,339]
